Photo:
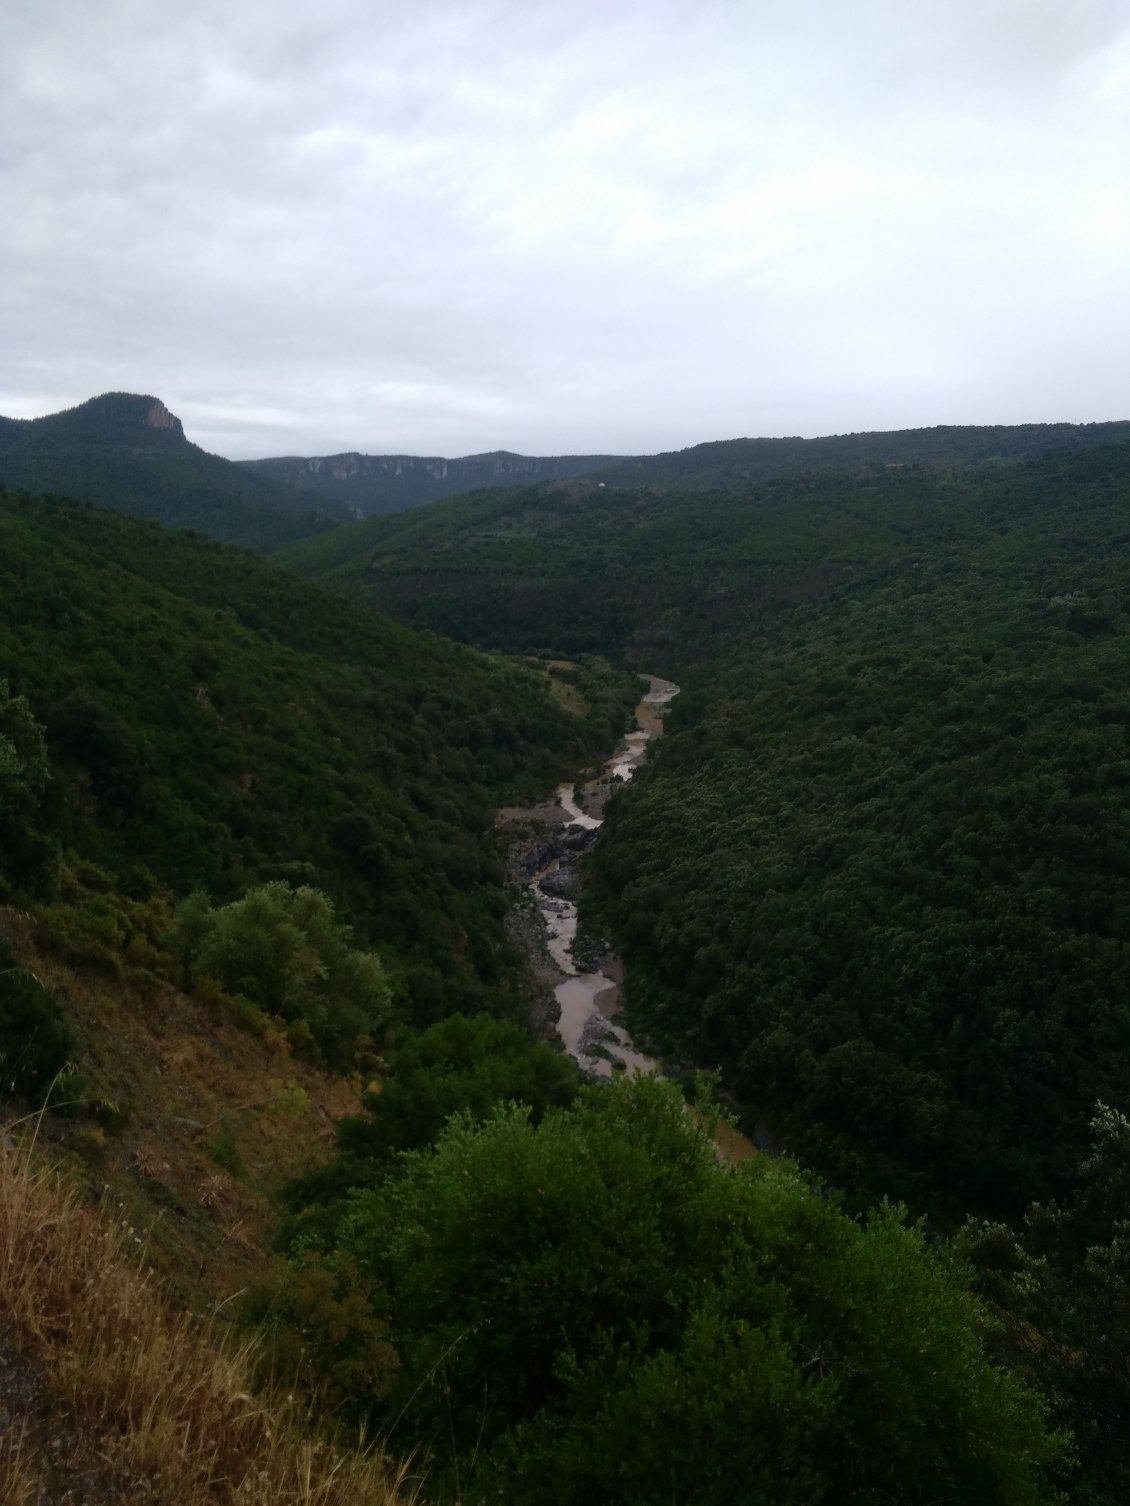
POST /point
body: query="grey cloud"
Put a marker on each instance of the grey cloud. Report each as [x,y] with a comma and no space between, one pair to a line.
[566,226]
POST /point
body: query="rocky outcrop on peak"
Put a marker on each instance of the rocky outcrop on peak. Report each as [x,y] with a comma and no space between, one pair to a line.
[127,451]
[159,417]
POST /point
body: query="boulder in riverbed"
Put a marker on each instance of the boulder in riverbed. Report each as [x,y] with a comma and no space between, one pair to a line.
[562,883]
[577,838]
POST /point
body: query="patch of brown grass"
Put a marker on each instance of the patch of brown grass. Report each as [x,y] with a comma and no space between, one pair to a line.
[567,696]
[170,1081]
[112,1396]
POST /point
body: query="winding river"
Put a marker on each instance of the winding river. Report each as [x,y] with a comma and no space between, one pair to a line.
[590,1001]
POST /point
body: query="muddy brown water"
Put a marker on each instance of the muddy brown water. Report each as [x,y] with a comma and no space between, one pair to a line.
[590,1002]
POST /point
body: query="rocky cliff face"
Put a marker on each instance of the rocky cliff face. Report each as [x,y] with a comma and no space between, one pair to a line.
[390,483]
[486,467]
[159,417]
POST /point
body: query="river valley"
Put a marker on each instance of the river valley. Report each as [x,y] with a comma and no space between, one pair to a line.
[587,991]
[589,1000]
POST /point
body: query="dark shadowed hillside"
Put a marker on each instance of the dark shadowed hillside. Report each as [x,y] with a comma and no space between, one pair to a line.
[737,462]
[128,452]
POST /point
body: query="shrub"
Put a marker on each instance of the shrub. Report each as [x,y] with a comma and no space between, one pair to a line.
[35,1043]
[24,854]
[325,1333]
[283,949]
[593,1308]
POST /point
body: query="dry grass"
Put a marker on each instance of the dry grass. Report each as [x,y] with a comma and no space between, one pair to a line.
[111,1396]
[163,1075]
[566,695]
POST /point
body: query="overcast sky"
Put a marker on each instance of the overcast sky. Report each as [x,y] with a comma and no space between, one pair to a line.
[449,226]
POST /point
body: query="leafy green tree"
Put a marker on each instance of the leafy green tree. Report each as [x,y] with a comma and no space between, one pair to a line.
[283,949]
[594,1309]
[23,778]
[468,1065]
[461,1065]
[325,1331]
[1064,1280]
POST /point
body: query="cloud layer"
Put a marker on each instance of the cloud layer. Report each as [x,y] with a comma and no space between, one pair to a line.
[582,226]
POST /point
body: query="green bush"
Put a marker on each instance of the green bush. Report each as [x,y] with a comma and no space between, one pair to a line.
[282,948]
[225,1152]
[594,1309]
[326,1334]
[35,1043]
[24,853]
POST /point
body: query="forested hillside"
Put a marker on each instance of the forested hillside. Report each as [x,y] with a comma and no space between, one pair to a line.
[129,453]
[673,578]
[211,723]
[874,872]
[878,873]
[737,462]
[373,485]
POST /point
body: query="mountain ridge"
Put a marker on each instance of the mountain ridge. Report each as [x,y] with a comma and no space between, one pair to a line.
[129,452]
[373,485]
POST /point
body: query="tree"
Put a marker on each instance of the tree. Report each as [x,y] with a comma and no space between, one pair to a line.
[463,1064]
[1064,1279]
[457,1065]
[594,1309]
[35,1042]
[283,949]
[24,771]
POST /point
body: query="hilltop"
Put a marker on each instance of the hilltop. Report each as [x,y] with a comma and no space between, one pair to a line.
[128,452]
[740,462]
[373,485]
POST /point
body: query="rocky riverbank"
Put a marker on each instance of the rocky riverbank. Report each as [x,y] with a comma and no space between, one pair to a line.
[549,842]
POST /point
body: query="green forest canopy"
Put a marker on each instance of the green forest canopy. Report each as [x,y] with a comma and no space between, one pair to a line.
[594,1309]
[211,723]
[876,871]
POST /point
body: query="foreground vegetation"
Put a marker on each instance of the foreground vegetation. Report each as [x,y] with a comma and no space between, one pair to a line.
[873,875]
[110,1394]
[593,1308]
